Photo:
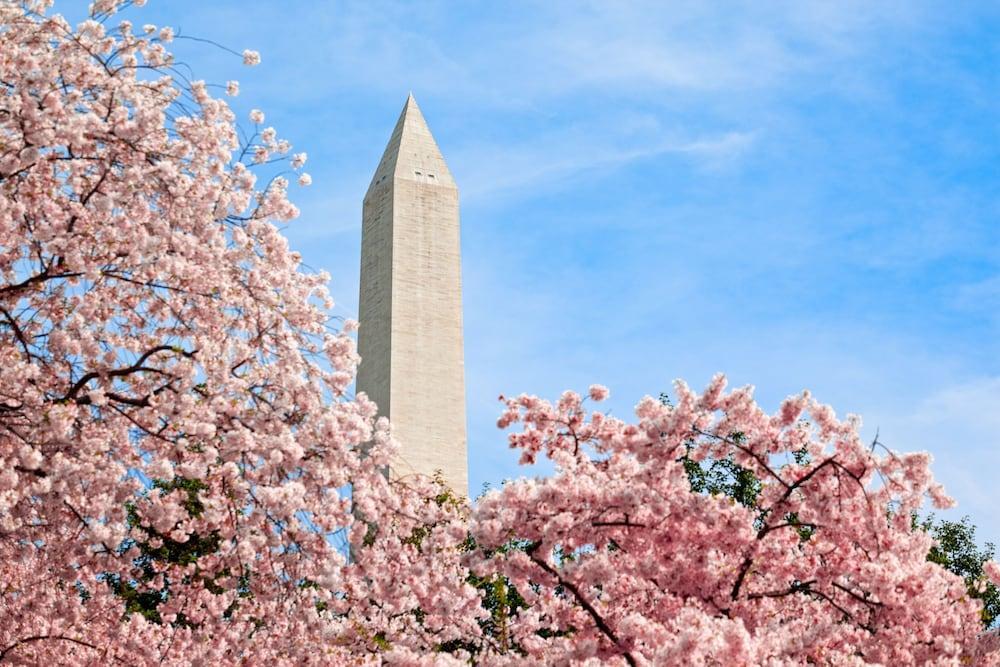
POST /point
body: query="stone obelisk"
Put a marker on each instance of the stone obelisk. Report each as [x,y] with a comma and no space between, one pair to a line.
[410,341]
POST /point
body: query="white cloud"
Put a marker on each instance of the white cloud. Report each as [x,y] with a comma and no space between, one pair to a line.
[980,297]
[522,169]
[502,57]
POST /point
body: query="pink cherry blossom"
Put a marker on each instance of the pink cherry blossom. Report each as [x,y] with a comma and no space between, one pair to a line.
[619,561]
[251,58]
[992,570]
[597,392]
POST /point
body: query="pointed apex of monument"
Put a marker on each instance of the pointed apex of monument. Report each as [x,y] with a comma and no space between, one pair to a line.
[412,153]
[411,113]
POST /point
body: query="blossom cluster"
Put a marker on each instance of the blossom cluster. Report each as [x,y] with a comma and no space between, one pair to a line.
[618,559]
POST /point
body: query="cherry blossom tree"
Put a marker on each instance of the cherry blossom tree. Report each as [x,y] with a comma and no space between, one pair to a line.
[615,558]
[176,435]
[955,548]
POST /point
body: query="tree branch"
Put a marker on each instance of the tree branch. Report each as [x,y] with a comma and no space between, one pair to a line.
[602,625]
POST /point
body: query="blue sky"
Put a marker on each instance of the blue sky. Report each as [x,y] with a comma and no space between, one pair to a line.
[797,194]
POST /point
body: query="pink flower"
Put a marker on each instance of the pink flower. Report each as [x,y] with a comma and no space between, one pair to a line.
[305,180]
[598,392]
[257,116]
[251,58]
[232,88]
[939,498]
[992,571]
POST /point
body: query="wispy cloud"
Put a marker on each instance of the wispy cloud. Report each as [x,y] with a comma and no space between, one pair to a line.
[523,169]
[981,297]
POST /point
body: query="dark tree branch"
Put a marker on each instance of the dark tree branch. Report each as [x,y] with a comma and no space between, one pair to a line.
[124,372]
[599,621]
[37,638]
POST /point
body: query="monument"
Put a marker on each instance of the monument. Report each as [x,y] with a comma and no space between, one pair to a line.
[410,341]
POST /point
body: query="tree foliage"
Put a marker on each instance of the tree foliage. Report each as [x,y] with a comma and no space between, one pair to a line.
[711,532]
[955,546]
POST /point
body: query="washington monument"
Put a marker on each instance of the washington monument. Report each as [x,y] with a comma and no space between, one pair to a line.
[410,341]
